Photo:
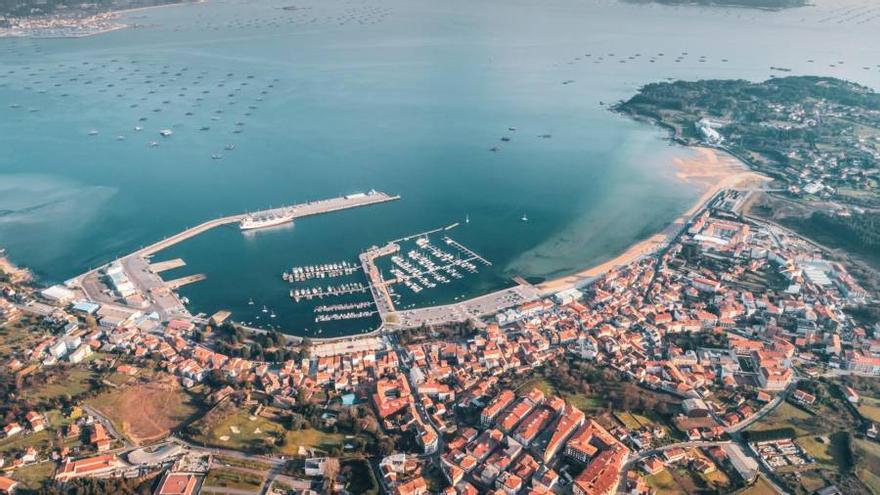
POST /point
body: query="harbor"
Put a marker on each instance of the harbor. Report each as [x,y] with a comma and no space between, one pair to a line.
[133,282]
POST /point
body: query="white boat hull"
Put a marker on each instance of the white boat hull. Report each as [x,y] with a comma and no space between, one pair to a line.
[250,224]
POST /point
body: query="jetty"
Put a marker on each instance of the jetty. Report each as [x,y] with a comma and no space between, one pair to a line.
[296,211]
[180,282]
[164,266]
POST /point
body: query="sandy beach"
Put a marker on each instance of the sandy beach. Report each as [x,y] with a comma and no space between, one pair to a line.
[711,170]
[15,273]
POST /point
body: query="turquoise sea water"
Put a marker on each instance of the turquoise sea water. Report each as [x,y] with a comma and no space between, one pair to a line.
[332,97]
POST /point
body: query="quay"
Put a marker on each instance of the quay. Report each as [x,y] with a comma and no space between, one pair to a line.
[300,210]
[164,266]
[381,296]
[189,279]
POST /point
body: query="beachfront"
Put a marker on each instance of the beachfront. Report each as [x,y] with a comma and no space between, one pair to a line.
[712,170]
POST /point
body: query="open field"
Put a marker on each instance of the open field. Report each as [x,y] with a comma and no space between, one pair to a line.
[33,475]
[310,438]
[761,487]
[664,483]
[148,411]
[829,450]
[243,463]
[40,440]
[785,416]
[244,431]
[233,479]
[581,401]
[869,407]
[71,381]
[17,335]
[867,468]
[682,481]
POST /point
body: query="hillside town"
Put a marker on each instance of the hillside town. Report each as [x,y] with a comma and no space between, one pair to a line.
[672,369]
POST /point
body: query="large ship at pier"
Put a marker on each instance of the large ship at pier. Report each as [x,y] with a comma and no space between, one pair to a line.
[258,222]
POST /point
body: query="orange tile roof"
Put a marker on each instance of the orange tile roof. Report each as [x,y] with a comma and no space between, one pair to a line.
[601,476]
[178,484]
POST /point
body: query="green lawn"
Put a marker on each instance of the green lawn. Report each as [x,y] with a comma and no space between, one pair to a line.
[18,335]
[664,483]
[761,487]
[39,441]
[74,382]
[310,438]
[869,463]
[34,475]
[233,479]
[244,431]
[828,450]
[784,416]
[539,383]
[869,407]
[579,400]
[244,463]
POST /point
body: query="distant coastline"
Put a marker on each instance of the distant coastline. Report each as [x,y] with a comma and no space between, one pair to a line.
[771,5]
[75,25]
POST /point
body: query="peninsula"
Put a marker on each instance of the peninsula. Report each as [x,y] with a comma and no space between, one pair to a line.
[818,137]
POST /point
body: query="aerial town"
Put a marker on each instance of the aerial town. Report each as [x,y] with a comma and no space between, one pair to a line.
[731,359]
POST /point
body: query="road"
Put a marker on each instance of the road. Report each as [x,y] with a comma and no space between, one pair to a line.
[767,409]
[104,420]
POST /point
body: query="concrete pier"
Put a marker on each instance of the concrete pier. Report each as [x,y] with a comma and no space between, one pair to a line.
[164,266]
[297,211]
[189,279]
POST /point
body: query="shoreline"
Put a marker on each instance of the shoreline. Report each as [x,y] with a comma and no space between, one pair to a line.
[713,168]
[16,273]
[117,15]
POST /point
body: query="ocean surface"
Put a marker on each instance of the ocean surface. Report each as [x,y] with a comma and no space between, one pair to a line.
[275,102]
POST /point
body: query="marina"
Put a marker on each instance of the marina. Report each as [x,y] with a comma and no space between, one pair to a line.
[133,280]
[329,291]
[341,307]
[330,270]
